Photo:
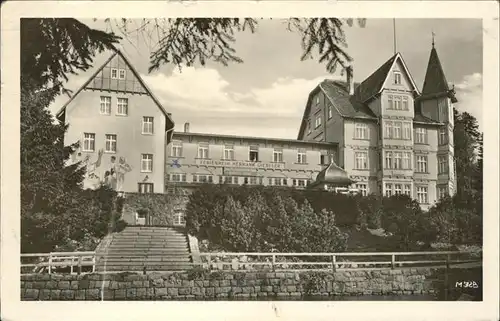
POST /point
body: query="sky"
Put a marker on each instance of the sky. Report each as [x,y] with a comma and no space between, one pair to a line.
[265,95]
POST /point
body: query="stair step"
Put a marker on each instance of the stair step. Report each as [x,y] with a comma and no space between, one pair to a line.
[138,251]
[153,260]
[138,256]
[176,267]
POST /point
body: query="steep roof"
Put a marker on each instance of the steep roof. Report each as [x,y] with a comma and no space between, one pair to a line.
[169,124]
[373,85]
[338,94]
[435,82]
[347,106]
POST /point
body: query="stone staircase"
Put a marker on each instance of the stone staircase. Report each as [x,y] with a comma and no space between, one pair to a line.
[139,248]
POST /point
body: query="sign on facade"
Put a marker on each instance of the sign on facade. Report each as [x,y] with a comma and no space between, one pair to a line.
[239,164]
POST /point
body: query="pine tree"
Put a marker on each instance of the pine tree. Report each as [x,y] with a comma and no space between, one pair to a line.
[52,48]
[50,191]
[187,41]
[467,141]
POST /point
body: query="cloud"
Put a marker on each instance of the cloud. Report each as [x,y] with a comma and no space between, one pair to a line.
[204,98]
[470,96]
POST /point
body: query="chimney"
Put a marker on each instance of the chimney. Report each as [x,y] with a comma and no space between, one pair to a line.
[350,80]
[186,127]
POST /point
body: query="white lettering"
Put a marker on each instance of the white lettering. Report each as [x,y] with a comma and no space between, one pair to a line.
[239,164]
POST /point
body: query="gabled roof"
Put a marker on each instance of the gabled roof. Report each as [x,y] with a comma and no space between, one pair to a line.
[347,106]
[373,85]
[136,74]
[435,82]
[337,93]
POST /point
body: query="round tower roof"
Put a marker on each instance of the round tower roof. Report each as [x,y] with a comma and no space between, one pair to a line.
[333,174]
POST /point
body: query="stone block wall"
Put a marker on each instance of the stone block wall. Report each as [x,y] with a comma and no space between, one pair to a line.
[202,285]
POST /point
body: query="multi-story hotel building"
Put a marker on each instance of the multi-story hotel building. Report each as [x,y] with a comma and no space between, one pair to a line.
[194,158]
[391,137]
[121,127]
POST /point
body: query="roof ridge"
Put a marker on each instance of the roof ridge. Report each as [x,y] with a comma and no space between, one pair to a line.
[116,52]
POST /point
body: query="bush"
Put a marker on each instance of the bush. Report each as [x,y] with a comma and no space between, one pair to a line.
[251,219]
[457,220]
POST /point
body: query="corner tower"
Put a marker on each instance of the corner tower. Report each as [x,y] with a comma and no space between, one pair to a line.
[436,102]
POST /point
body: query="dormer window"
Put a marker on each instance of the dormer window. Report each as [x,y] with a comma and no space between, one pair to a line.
[397,78]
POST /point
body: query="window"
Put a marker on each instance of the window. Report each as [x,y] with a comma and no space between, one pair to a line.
[441,192]
[317,122]
[253,180]
[363,189]
[229,152]
[397,103]
[105,105]
[407,189]
[299,182]
[122,73]
[147,125]
[388,189]
[147,163]
[391,102]
[254,154]
[278,156]
[110,143]
[203,178]
[309,127]
[397,130]
[388,129]
[421,164]
[397,78]
[443,136]
[88,142]
[176,149]
[330,111]
[301,156]
[322,159]
[229,179]
[406,160]
[114,73]
[398,189]
[176,177]
[406,105]
[422,194]
[388,160]
[420,135]
[361,131]
[398,160]
[277,181]
[146,188]
[179,218]
[317,100]
[203,150]
[361,160]
[442,164]
[122,107]
[407,131]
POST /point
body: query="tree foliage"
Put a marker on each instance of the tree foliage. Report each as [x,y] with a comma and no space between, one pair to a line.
[468,154]
[260,219]
[54,208]
[52,48]
[186,41]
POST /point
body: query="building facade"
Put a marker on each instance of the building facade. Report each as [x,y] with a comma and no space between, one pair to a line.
[391,137]
[121,128]
[195,158]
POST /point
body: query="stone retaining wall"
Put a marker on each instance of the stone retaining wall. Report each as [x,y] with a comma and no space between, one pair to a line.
[200,285]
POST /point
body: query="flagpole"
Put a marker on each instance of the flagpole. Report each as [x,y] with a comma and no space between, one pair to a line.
[394,29]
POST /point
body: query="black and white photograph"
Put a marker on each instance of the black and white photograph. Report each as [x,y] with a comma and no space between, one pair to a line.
[255,159]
